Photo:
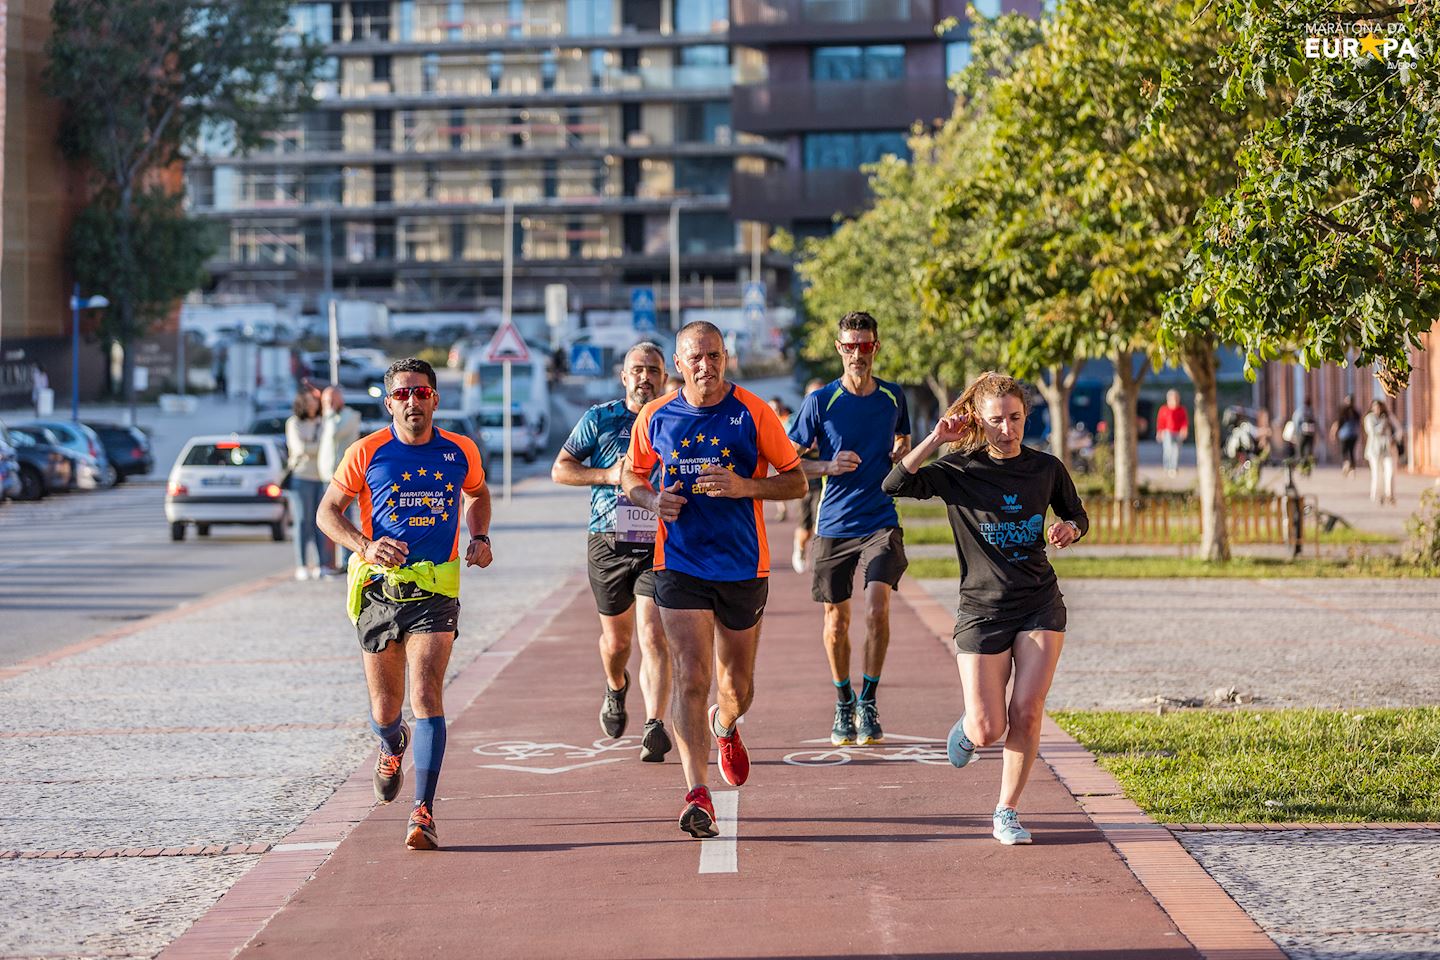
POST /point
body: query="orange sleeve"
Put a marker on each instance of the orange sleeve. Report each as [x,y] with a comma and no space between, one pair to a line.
[474,469]
[641,455]
[350,475]
[770,438]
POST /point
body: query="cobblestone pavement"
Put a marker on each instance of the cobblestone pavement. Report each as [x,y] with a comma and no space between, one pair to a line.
[226,725]
[1322,895]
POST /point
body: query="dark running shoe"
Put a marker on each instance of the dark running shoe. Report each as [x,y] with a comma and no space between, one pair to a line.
[734,758]
[655,743]
[843,733]
[698,817]
[420,835]
[612,710]
[867,724]
[389,778]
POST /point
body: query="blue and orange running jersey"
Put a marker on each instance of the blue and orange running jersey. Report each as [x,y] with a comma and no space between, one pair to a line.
[412,492]
[714,538]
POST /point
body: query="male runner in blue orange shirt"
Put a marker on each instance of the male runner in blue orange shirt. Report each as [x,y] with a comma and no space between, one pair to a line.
[715,443]
[414,483]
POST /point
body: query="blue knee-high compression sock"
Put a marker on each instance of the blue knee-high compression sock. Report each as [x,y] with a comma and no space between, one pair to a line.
[867,689]
[844,693]
[429,736]
[389,734]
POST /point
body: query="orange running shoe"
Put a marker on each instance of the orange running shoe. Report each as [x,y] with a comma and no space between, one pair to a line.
[388,775]
[734,758]
[698,817]
[421,835]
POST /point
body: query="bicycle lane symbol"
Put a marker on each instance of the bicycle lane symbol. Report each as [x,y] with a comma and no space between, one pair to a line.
[520,751]
[912,749]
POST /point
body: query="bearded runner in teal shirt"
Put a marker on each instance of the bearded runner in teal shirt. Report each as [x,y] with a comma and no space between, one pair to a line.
[620,551]
[414,484]
[859,425]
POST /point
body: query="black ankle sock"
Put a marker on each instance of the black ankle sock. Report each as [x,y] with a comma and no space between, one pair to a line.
[843,691]
[867,688]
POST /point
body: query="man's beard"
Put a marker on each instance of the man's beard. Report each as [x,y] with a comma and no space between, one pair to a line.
[641,396]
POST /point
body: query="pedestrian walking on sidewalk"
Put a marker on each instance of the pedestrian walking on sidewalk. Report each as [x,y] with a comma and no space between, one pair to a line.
[782,509]
[715,443]
[860,427]
[1011,618]
[306,487]
[1346,430]
[814,485]
[339,428]
[1172,426]
[415,483]
[620,551]
[1380,441]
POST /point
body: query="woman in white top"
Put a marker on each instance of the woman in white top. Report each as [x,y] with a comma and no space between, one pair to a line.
[302,437]
[1380,452]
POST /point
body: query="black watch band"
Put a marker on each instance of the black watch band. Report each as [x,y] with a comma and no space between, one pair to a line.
[481,536]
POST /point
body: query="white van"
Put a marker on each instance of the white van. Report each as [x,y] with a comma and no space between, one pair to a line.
[482,394]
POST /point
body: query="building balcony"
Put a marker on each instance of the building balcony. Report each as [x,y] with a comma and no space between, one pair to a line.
[779,108]
[294,210]
[480,43]
[333,151]
[785,196]
[758,23]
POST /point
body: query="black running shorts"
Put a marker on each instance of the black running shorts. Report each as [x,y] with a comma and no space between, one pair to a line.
[618,573]
[881,555]
[738,604]
[390,614]
[982,634]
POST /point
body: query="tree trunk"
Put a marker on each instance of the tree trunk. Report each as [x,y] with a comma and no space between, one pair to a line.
[1200,364]
[1056,392]
[124,301]
[1123,395]
[940,391]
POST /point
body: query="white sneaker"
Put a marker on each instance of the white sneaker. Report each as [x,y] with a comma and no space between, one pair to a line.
[302,573]
[797,560]
[315,573]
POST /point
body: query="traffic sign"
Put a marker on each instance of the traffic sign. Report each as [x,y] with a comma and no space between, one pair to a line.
[507,344]
[754,295]
[642,309]
[586,360]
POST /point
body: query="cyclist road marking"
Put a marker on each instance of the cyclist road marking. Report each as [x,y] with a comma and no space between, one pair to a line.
[717,855]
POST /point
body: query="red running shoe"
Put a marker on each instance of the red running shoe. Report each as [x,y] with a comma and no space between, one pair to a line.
[698,817]
[734,758]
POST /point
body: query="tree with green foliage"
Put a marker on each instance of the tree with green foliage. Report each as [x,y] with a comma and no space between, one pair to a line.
[141,82]
[1328,248]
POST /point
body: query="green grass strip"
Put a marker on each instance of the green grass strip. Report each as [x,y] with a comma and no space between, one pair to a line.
[1168,567]
[933,533]
[1268,766]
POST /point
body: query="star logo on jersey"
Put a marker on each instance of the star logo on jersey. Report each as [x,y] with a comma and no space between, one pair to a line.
[725,452]
[444,516]
[405,476]
[700,437]
[390,502]
[449,487]
[730,467]
[425,501]
[395,488]
[684,441]
[394,517]
[714,441]
[673,471]
[421,471]
[437,475]
[674,455]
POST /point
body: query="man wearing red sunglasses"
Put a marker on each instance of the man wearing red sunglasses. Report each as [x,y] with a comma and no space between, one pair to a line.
[860,426]
[414,483]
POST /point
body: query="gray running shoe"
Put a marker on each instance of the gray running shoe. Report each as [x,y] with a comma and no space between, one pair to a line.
[1007,827]
[958,746]
[612,710]
[655,743]
[843,732]
[420,831]
[867,724]
[389,777]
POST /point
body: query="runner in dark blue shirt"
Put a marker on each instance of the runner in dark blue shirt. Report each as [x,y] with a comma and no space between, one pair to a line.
[859,426]
[621,551]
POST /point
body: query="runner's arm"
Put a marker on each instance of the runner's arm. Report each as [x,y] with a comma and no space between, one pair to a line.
[569,470]
[331,519]
[477,523]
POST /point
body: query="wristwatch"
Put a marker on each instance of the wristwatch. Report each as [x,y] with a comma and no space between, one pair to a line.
[481,536]
[1074,526]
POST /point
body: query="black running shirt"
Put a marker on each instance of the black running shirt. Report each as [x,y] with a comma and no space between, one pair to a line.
[997,513]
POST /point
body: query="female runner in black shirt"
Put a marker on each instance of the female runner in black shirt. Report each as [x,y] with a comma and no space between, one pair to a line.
[1011,616]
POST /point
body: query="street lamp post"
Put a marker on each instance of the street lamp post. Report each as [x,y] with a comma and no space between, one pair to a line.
[76,305]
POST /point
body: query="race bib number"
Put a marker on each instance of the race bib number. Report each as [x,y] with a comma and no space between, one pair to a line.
[633,523]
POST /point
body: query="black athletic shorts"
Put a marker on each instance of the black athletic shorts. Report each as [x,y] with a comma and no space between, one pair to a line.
[618,573]
[982,634]
[881,555]
[738,604]
[809,504]
[389,614]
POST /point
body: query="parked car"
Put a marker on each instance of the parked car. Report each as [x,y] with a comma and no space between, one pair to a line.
[482,393]
[80,441]
[358,368]
[271,423]
[231,479]
[10,487]
[465,424]
[128,448]
[44,465]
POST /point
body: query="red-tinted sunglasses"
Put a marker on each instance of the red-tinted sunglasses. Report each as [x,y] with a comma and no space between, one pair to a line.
[864,347]
[405,393]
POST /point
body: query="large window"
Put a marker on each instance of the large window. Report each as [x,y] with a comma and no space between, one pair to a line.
[706,232]
[957,56]
[702,16]
[847,151]
[987,8]
[706,122]
[590,18]
[707,176]
[313,21]
[876,62]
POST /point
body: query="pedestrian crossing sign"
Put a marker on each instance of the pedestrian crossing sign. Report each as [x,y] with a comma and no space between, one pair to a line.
[507,345]
[585,360]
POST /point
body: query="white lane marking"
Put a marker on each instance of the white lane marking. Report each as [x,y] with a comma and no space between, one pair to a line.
[547,770]
[717,855]
[316,845]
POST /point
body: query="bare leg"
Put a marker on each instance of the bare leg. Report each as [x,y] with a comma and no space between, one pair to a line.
[615,636]
[735,678]
[654,659]
[428,655]
[877,626]
[1036,654]
[837,639]
[983,677]
[385,681]
[691,636]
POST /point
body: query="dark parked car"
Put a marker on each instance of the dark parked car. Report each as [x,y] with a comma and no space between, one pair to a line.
[9,470]
[271,423]
[45,467]
[81,443]
[128,448]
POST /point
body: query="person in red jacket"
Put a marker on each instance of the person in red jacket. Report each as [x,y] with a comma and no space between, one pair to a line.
[1172,426]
